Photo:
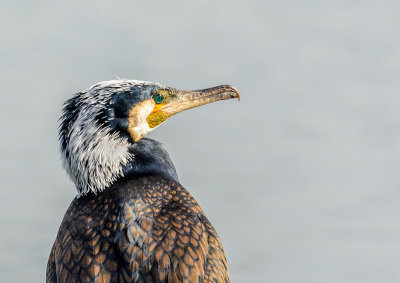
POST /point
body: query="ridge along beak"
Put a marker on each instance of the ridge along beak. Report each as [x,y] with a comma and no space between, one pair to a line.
[180,100]
[188,99]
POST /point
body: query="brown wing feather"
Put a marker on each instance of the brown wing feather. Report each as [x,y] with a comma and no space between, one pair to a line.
[51,267]
[140,230]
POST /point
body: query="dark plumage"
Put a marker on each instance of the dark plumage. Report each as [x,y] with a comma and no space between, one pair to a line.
[132,221]
[141,229]
[150,158]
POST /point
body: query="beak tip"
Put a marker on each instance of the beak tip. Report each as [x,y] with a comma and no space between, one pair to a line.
[235,93]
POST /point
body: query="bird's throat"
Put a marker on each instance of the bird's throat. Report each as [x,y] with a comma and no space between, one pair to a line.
[149,158]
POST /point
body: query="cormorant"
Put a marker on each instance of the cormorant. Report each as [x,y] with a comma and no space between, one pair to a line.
[131,221]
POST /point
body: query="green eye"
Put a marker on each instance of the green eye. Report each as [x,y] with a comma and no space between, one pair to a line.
[158,98]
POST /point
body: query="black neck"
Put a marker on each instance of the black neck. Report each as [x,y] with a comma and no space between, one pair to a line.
[149,158]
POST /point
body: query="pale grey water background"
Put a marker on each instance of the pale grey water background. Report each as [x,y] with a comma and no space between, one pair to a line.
[300,178]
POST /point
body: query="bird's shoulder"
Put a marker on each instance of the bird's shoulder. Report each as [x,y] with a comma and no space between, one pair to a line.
[145,228]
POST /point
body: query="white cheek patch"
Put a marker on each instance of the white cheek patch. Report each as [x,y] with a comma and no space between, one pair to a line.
[137,123]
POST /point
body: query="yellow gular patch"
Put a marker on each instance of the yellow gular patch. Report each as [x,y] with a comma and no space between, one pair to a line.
[156,118]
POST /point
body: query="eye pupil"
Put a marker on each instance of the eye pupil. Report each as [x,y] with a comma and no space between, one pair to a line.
[158,98]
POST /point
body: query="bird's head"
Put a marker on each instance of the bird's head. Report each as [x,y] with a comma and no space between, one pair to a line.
[100,124]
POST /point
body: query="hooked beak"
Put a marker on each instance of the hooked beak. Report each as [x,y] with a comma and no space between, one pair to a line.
[180,100]
[188,99]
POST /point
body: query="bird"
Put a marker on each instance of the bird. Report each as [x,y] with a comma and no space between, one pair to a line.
[131,220]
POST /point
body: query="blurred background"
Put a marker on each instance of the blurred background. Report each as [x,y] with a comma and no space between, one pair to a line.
[300,178]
